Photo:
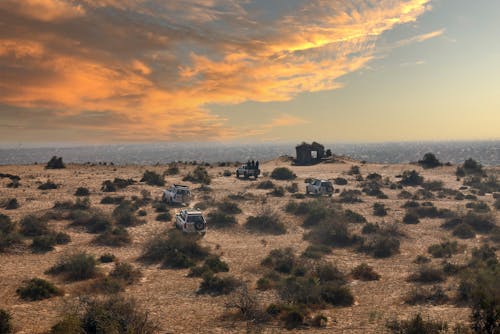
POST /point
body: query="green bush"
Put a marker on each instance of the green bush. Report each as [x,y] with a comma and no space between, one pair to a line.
[268,184]
[32,226]
[82,191]
[331,232]
[153,179]
[107,258]
[379,209]
[218,219]
[411,218]
[124,214]
[75,267]
[283,173]
[364,272]
[417,325]
[114,237]
[126,272]
[229,207]
[464,231]
[215,286]
[316,251]
[381,246]
[94,221]
[429,161]
[411,178]
[350,196]
[55,163]
[281,260]
[199,175]
[38,289]
[427,274]
[444,249]
[175,250]
[43,243]
[266,222]
[49,185]
[5,322]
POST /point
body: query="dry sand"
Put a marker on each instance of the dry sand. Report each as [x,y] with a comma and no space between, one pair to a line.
[171,297]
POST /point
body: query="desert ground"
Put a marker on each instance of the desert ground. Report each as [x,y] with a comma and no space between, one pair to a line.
[171,298]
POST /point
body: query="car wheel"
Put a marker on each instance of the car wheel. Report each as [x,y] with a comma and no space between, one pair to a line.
[245,175]
[307,191]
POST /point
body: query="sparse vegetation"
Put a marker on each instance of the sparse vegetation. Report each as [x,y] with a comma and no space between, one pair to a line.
[55,163]
[379,209]
[5,322]
[215,285]
[267,222]
[219,219]
[153,179]
[49,185]
[107,258]
[114,237]
[32,226]
[38,289]
[82,191]
[75,267]
[199,175]
[283,173]
[411,178]
[365,272]
[427,274]
[444,249]
[417,325]
[429,161]
[411,218]
[11,204]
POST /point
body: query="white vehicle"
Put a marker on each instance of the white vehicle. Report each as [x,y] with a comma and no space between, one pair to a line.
[191,221]
[319,187]
[247,171]
[177,194]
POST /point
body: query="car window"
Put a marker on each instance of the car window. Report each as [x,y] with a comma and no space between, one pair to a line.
[194,219]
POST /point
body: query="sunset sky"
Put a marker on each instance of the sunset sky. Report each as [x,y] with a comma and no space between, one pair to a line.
[107,71]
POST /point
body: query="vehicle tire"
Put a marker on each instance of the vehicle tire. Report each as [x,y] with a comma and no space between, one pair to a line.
[199,226]
[307,191]
[245,175]
[237,175]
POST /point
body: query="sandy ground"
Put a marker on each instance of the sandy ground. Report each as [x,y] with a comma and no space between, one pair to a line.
[171,297]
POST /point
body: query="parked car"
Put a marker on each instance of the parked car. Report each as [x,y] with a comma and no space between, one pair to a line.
[319,187]
[248,171]
[177,194]
[191,221]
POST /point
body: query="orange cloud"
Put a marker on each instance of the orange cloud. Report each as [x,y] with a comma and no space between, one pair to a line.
[157,65]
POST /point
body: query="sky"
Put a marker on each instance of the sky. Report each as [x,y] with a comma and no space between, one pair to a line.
[110,71]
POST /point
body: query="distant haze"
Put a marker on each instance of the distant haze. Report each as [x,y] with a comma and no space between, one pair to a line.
[488,153]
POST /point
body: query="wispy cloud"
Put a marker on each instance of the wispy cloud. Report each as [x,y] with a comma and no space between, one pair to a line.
[154,66]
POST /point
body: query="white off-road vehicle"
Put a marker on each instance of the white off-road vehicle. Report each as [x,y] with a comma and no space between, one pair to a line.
[191,221]
[177,194]
[319,187]
[247,171]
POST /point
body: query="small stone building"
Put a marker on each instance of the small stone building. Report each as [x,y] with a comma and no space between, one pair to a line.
[308,154]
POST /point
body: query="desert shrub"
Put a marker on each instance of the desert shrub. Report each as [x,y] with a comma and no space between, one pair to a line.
[427,274]
[173,169]
[126,272]
[199,175]
[444,249]
[94,221]
[227,173]
[12,204]
[422,259]
[281,260]
[114,237]
[5,322]
[316,251]
[354,217]
[160,206]
[429,161]
[471,166]
[112,200]
[405,195]
[364,272]
[411,178]
[38,289]
[82,191]
[331,232]
[380,246]
[278,191]
[268,184]
[464,231]
[107,258]
[410,204]
[373,188]
[306,290]
[218,219]
[283,173]
[153,179]
[267,222]
[213,264]
[350,196]
[43,243]
[292,188]
[379,209]
[75,267]
[164,217]
[124,214]
[6,224]
[49,185]
[417,325]
[481,223]
[340,181]
[216,286]
[432,185]
[32,226]
[479,207]
[229,207]
[370,228]
[142,213]
[108,186]
[411,218]
[175,250]
[9,241]
[110,315]
[55,163]
[497,203]
[354,170]
[247,306]
[107,285]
